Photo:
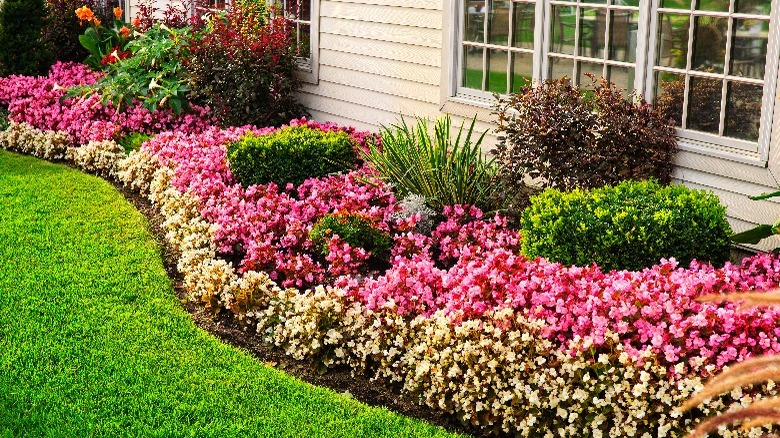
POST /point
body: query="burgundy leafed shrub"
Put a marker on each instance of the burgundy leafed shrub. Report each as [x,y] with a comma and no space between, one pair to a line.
[242,66]
[582,138]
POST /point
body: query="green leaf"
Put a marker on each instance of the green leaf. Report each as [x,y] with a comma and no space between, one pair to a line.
[753,235]
[89,43]
[765,196]
[175,105]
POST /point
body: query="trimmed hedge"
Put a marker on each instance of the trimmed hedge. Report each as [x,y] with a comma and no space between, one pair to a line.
[628,226]
[290,155]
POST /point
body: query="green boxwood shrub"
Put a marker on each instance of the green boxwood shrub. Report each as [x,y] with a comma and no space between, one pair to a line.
[290,155]
[133,141]
[629,226]
[354,228]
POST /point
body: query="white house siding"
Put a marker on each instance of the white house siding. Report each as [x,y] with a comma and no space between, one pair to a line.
[132,7]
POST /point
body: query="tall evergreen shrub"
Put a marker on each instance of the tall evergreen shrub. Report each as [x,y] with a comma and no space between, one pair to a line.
[22,49]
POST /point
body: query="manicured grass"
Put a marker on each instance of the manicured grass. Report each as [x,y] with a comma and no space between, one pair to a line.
[93,341]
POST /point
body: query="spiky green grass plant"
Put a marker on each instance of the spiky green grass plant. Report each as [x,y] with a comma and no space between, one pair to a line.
[93,341]
[443,168]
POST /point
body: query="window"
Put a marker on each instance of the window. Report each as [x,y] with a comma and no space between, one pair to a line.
[303,17]
[711,64]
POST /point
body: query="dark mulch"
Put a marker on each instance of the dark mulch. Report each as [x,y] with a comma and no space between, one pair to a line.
[240,335]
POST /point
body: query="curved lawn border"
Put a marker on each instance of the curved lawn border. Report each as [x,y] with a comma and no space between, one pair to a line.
[94,342]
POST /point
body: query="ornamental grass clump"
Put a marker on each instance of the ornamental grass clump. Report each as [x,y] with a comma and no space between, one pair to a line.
[569,137]
[290,155]
[630,226]
[443,169]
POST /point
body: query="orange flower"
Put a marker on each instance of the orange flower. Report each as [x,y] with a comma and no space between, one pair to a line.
[96,22]
[85,14]
[124,31]
[118,13]
[136,22]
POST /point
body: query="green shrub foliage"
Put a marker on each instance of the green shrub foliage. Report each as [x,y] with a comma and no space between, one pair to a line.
[354,228]
[5,122]
[290,155]
[629,226]
[22,49]
[133,141]
[570,137]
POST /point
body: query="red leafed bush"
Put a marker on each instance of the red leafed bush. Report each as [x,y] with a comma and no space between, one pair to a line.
[242,66]
[572,137]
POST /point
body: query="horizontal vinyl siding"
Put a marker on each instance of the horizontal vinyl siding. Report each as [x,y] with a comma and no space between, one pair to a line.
[733,183]
[378,59]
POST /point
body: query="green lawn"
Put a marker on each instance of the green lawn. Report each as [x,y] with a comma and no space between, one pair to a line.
[93,341]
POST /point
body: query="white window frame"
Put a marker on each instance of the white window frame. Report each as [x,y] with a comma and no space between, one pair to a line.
[754,153]
[308,68]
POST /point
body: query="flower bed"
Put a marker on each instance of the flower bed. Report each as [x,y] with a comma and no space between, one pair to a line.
[456,317]
[41,103]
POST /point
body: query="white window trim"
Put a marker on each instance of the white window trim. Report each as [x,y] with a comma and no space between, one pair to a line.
[309,68]
[753,153]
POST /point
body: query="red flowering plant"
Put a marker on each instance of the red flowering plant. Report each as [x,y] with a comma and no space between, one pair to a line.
[106,45]
[242,65]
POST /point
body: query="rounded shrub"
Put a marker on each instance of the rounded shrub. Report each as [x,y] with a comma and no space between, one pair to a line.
[629,226]
[290,155]
[358,230]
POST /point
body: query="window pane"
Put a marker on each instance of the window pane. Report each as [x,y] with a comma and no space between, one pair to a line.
[760,7]
[472,67]
[597,70]
[524,21]
[669,95]
[522,70]
[623,77]
[474,21]
[704,104]
[560,67]
[304,41]
[634,3]
[676,4]
[497,60]
[713,5]
[709,44]
[498,23]
[563,27]
[592,32]
[673,40]
[623,29]
[305,10]
[749,47]
[743,110]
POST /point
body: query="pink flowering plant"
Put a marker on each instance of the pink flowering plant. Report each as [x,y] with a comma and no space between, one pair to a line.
[42,103]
